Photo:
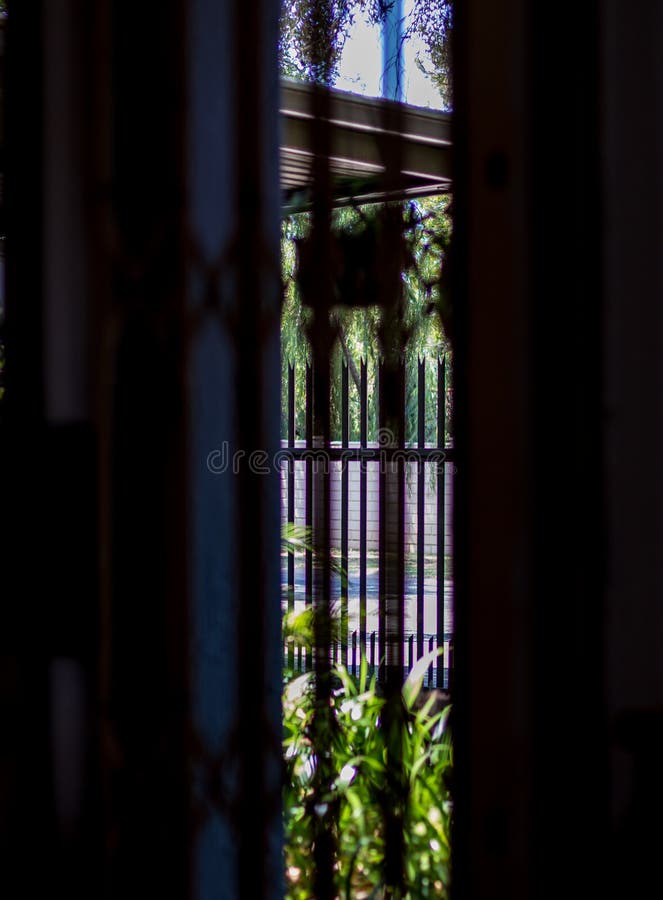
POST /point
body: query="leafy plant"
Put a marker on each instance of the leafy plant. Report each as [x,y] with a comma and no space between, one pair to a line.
[357,754]
[298,627]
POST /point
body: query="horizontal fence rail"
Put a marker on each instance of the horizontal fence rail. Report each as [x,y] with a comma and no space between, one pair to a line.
[356,494]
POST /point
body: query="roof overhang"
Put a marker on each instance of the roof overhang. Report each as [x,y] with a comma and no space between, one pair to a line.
[358,140]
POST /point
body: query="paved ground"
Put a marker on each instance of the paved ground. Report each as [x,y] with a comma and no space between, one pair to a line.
[372,593]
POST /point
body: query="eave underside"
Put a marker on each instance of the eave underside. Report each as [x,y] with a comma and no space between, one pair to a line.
[359,139]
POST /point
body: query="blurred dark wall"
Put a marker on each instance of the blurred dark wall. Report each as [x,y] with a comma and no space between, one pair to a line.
[143,224]
[632,169]
[559,613]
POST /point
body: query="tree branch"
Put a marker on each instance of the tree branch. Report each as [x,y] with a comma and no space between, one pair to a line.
[344,346]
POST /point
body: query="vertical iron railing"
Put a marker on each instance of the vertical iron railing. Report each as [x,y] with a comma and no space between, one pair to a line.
[309,480]
[441,521]
[345,437]
[358,471]
[291,503]
[363,438]
[421,521]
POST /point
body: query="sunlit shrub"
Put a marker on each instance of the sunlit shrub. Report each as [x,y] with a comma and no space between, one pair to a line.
[357,793]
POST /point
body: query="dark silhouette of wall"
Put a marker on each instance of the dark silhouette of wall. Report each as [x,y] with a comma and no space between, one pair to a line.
[119,754]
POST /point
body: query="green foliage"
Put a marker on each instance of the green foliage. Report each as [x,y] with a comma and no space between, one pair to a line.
[313,33]
[294,319]
[299,539]
[357,753]
[432,23]
[426,231]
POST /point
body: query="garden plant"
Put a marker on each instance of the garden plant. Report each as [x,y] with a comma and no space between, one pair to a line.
[357,794]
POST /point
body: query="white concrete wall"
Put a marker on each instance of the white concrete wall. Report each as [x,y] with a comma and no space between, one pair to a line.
[372,503]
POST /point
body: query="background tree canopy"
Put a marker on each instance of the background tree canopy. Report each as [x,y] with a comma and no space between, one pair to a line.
[312,37]
[427,228]
[313,34]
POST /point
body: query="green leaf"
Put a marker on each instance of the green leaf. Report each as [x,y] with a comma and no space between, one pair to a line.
[297,689]
[415,679]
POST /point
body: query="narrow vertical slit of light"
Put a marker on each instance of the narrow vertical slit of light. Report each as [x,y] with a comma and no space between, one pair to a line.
[441,524]
[421,475]
[345,438]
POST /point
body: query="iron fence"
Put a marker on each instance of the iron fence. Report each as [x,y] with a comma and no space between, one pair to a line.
[355,540]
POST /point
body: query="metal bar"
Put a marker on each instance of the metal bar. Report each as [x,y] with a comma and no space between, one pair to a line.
[291,500]
[450,669]
[431,647]
[382,492]
[321,813]
[363,435]
[292,507]
[308,573]
[354,653]
[392,414]
[392,524]
[421,523]
[441,511]
[406,453]
[345,436]
[397,614]
[308,501]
